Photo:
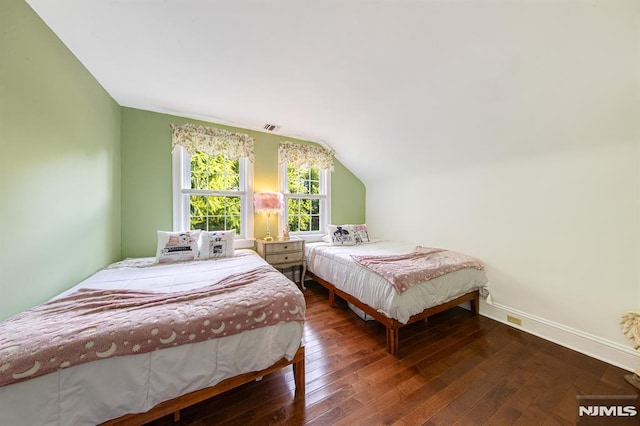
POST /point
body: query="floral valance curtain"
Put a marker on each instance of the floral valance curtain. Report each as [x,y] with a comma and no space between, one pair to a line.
[306,156]
[212,141]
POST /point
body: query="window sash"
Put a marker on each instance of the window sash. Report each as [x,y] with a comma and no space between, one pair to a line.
[182,191]
[310,214]
[324,197]
[209,218]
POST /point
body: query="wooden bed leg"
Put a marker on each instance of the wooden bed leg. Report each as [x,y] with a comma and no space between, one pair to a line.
[475,306]
[393,336]
[299,375]
[332,299]
[176,416]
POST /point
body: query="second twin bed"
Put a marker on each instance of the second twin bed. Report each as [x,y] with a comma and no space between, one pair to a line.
[426,280]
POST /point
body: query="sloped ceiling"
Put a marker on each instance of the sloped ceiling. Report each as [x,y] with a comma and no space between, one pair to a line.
[392,86]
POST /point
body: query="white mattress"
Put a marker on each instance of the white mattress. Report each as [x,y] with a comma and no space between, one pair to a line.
[335,265]
[94,392]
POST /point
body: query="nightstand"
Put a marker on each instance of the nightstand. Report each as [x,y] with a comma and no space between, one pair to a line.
[284,254]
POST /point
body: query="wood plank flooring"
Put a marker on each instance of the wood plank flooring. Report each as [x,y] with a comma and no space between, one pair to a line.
[455,369]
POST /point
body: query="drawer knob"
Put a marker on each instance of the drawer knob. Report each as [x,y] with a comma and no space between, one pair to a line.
[286,247]
[286,257]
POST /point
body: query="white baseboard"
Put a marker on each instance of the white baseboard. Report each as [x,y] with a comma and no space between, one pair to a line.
[596,347]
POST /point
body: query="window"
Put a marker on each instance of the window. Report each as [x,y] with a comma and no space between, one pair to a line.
[215,206]
[210,189]
[306,185]
[306,198]
[212,193]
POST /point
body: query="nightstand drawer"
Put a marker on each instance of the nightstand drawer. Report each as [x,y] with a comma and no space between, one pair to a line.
[283,254]
[273,258]
[283,247]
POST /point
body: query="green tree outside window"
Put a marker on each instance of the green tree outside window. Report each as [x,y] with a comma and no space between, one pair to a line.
[303,214]
[220,212]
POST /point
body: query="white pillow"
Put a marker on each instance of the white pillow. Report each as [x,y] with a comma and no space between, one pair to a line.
[360,233]
[216,244]
[177,246]
[341,235]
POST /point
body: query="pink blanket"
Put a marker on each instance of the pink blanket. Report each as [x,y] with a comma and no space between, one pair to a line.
[93,324]
[404,271]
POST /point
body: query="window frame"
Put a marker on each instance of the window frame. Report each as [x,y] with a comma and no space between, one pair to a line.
[181,176]
[325,203]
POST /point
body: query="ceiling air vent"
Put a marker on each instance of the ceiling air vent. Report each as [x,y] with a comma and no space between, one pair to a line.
[271,127]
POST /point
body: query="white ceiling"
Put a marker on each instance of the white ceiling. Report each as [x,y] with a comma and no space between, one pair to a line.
[454,82]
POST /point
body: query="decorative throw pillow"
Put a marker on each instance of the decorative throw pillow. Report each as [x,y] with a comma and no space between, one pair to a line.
[341,235]
[360,233]
[216,244]
[177,246]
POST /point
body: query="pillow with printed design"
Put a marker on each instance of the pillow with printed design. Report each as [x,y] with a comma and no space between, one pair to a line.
[360,233]
[177,246]
[217,244]
[341,235]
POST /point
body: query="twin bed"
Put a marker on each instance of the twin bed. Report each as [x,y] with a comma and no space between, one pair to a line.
[359,273]
[150,339]
[136,381]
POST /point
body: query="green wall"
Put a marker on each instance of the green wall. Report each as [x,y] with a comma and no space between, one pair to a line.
[84,181]
[59,165]
[146,179]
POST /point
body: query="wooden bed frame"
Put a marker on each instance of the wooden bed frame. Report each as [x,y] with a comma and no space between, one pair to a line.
[393,326]
[175,405]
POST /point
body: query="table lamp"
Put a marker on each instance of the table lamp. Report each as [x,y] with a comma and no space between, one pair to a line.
[268,202]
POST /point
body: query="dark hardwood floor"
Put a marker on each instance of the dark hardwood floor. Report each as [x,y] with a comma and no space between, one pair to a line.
[455,369]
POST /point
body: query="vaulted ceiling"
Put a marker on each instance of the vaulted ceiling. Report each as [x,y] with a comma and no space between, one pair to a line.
[392,86]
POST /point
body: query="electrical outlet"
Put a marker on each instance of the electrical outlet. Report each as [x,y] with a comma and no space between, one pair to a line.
[514,320]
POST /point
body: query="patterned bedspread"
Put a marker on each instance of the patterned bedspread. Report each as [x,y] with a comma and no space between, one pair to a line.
[92,324]
[404,271]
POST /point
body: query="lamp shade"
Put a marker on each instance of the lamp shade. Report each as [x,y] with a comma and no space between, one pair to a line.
[268,202]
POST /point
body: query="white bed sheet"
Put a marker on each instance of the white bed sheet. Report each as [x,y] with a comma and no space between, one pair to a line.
[335,265]
[98,391]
